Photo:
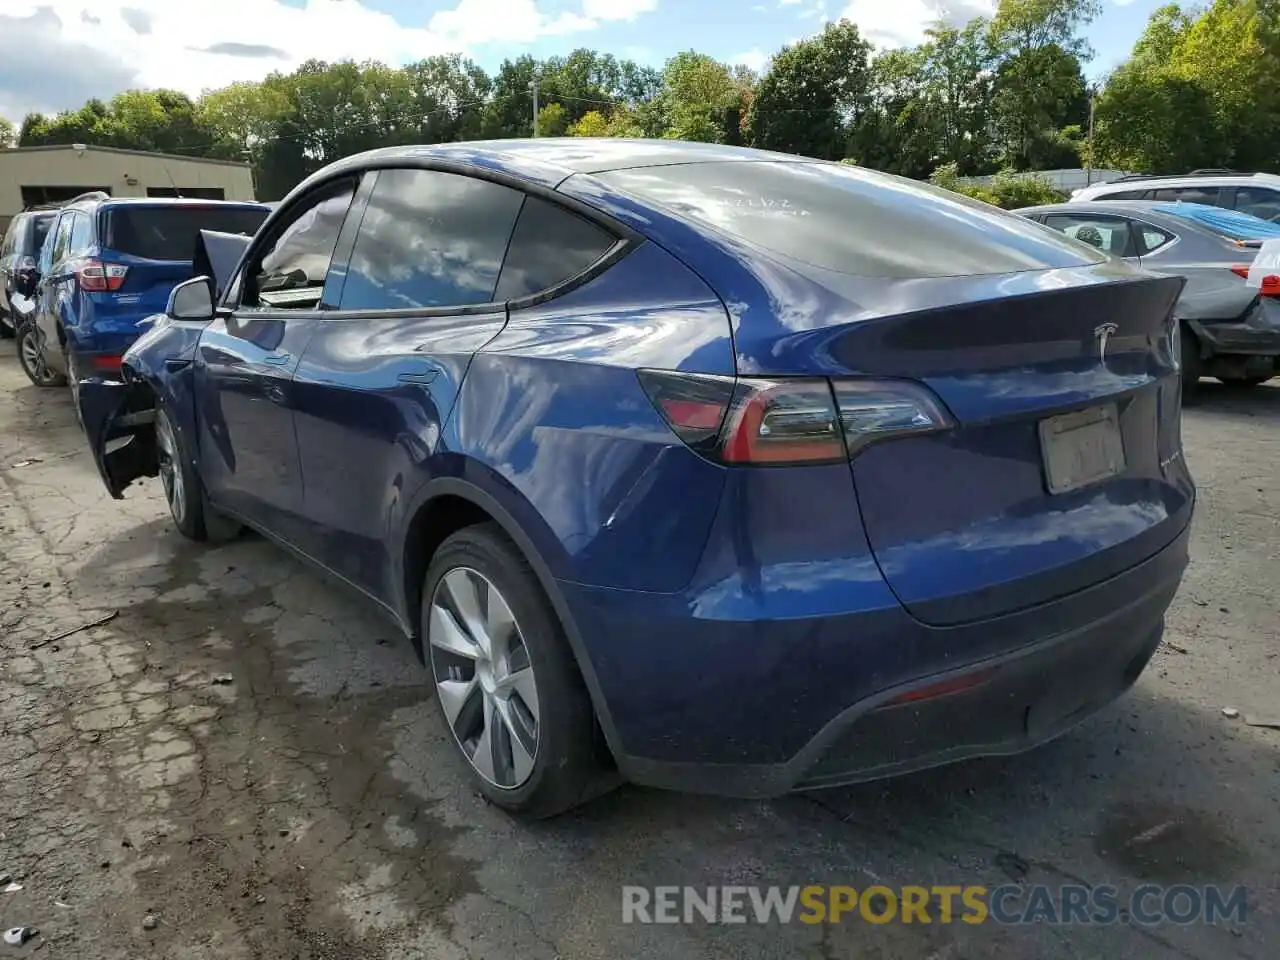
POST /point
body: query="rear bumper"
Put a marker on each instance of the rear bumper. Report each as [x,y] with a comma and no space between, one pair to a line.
[1252,338]
[793,705]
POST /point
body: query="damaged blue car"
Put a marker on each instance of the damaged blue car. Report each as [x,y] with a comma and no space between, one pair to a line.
[696,466]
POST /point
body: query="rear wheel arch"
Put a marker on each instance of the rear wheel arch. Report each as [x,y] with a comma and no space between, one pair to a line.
[447,505]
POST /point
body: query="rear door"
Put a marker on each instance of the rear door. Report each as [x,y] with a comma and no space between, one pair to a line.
[57,279]
[246,359]
[381,372]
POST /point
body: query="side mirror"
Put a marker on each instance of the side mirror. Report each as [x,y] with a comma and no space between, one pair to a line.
[22,306]
[191,300]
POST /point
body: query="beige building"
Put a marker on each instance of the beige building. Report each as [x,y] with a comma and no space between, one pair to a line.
[37,175]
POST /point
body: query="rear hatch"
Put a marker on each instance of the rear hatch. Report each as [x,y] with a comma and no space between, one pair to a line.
[152,247]
[1061,464]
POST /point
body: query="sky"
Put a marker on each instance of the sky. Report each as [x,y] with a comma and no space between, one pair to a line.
[55,54]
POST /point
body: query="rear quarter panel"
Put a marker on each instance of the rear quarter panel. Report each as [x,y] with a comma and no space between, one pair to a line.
[552,422]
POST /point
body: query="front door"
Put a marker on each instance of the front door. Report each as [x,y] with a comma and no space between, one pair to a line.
[247,358]
[380,375]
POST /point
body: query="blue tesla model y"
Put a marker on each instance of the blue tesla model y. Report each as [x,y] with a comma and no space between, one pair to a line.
[690,465]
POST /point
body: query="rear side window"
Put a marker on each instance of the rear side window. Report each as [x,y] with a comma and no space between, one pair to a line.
[1124,195]
[60,242]
[1153,238]
[550,245]
[1206,195]
[1108,234]
[33,236]
[170,232]
[849,220]
[81,233]
[1260,202]
[430,239]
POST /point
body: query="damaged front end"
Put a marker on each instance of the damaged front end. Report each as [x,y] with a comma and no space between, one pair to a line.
[119,415]
[119,420]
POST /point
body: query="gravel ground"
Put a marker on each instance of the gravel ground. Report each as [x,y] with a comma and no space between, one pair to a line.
[310,807]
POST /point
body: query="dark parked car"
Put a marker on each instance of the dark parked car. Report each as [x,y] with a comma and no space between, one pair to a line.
[1230,330]
[110,263]
[18,255]
[706,467]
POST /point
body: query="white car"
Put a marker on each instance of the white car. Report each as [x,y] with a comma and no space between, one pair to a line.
[1254,193]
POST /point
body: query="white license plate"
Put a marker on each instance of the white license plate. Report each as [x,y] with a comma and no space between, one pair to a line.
[1081,448]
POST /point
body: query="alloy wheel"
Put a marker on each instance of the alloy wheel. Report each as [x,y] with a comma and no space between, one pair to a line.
[484,677]
[170,463]
[33,360]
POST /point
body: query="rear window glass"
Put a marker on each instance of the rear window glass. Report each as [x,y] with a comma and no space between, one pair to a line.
[169,233]
[849,220]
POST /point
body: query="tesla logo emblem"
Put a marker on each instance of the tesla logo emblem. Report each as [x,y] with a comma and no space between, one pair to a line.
[1103,332]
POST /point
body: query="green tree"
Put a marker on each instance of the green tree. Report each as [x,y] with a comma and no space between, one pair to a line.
[1154,122]
[813,93]
[698,93]
[510,109]
[958,67]
[1039,85]
[1201,89]
[553,120]
[590,124]
[8,133]
[901,129]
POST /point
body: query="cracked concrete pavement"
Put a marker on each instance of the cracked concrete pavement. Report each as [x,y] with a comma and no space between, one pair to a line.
[312,808]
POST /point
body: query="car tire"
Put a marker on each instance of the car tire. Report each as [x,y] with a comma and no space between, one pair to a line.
[183,491]
[7,330]
[1192,367]
[27,344]
[509,690]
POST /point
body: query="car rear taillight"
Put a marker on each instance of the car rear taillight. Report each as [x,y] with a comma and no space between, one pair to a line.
[95,276]
[787,421]
[1270,282]
[110,364]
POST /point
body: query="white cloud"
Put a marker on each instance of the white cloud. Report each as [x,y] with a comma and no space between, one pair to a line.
[474,22]
[200,44]
[617,9]
[755,58]
[903,22]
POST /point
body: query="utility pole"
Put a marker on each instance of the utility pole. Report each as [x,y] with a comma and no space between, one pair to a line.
[1088,177]
[534,87]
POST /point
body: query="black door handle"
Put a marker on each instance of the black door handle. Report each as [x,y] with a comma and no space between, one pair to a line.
[425,378]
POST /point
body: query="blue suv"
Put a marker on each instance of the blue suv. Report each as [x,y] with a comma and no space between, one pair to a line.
[108,263]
